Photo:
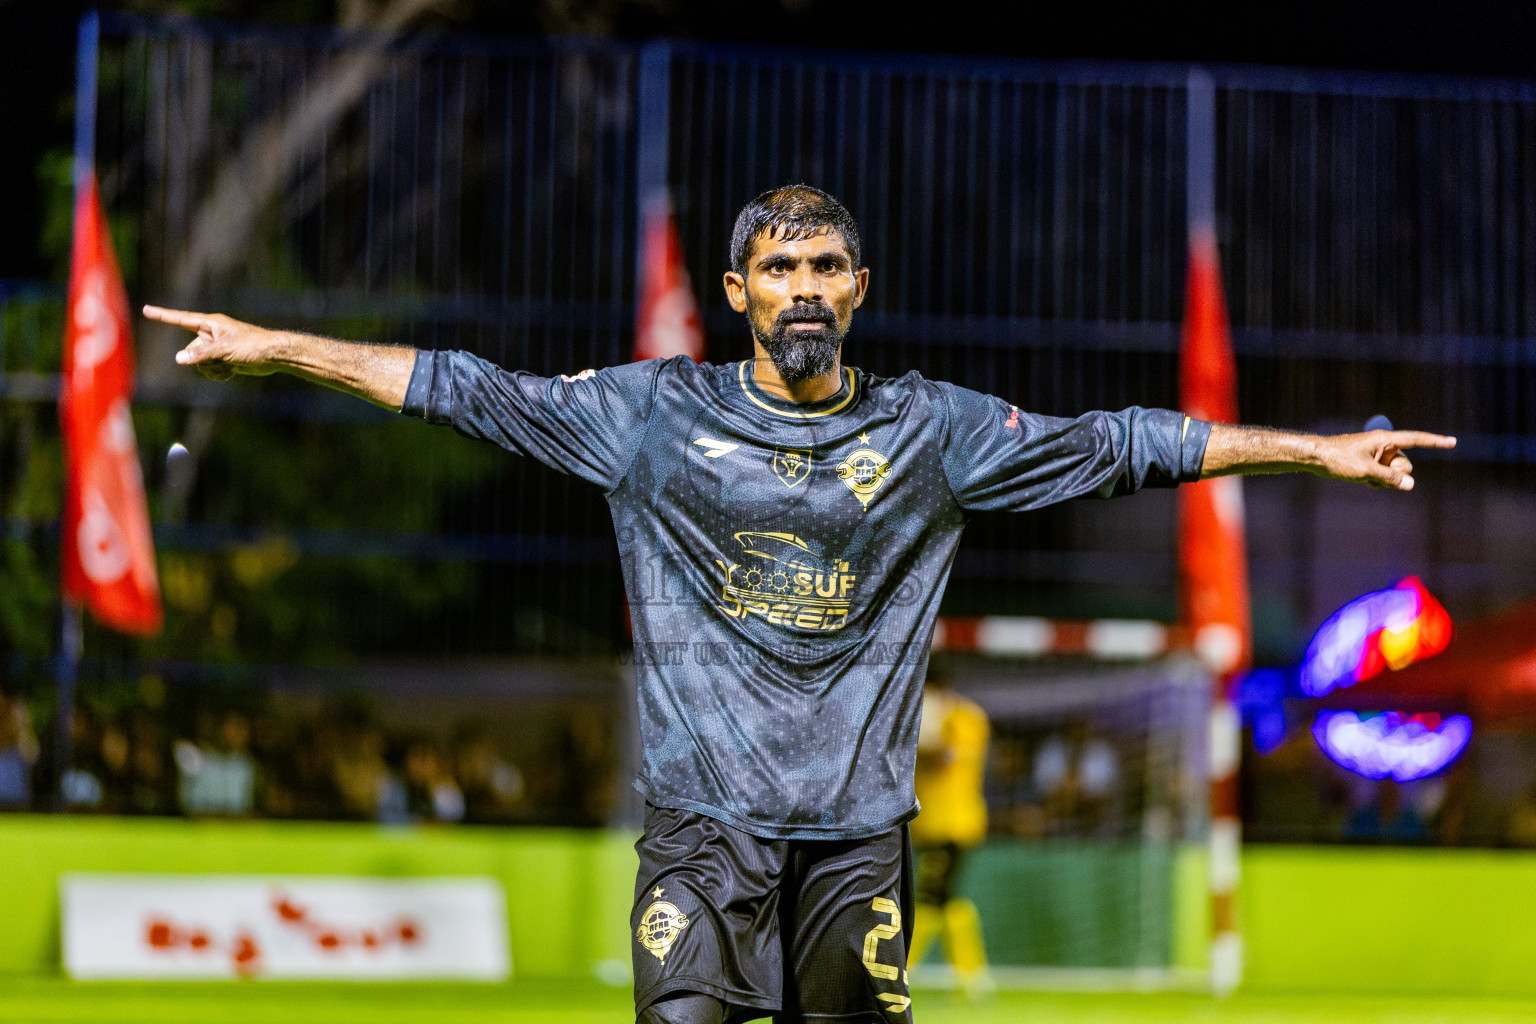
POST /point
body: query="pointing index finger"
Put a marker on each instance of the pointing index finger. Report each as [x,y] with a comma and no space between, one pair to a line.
[180,317]
[1419,439]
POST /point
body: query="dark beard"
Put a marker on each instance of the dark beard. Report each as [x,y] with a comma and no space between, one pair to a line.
[801,354]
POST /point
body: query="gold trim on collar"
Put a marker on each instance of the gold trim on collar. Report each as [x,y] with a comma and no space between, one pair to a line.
[852,388]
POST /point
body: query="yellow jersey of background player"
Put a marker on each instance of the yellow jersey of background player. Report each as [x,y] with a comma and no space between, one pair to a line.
[951,767]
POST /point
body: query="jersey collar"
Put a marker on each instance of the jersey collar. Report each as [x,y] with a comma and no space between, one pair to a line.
[798,410]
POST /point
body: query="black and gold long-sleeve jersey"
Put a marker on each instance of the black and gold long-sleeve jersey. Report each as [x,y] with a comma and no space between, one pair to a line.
[784,561]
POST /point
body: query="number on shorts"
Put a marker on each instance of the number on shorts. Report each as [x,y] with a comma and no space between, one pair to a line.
[872,938]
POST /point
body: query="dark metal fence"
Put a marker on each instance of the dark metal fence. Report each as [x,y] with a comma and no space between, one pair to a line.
[1025,224]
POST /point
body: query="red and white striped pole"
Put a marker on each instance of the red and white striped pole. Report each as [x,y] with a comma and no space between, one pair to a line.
[1022,636]
[1213,559]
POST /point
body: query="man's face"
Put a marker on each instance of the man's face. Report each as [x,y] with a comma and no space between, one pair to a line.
[799,298]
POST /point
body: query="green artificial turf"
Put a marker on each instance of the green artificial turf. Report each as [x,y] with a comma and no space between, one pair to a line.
[28,999]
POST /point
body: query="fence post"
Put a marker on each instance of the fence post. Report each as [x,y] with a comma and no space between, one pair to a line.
[67,669]
[1226,954]
[653,131]
[652,127]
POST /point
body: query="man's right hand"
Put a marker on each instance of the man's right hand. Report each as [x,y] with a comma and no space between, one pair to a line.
[224,346]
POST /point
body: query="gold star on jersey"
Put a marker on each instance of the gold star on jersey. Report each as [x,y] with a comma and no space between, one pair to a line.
[864,470]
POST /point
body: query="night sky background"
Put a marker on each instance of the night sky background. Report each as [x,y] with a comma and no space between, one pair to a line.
[37,39]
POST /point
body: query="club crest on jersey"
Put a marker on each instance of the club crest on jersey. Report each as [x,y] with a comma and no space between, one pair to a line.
[864,470]
[791,465]
[660,926]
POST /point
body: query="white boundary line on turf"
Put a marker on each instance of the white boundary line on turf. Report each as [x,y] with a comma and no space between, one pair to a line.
[1071,979]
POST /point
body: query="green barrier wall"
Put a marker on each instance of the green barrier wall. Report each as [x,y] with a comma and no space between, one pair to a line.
[1074,903]
[1330,919]
[568,892]
[1315,919]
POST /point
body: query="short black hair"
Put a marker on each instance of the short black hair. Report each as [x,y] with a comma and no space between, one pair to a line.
[790,213]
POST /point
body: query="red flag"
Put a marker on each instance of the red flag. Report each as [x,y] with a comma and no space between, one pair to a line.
[1213,555]
[108,555]
[667,323]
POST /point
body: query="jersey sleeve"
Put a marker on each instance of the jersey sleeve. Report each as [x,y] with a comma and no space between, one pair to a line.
[998,457]
[590,425]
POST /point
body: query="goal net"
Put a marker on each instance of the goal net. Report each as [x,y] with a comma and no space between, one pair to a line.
[1092,874]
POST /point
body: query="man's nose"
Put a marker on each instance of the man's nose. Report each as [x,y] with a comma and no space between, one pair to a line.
[806,286]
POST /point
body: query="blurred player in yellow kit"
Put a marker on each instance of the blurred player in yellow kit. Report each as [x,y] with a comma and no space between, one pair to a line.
[951,762]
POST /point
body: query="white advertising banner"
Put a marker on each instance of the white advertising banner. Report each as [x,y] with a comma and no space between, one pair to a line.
[229,926]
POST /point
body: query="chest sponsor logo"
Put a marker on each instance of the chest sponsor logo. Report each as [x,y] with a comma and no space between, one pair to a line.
[791,465]
[864,471]
[782,579]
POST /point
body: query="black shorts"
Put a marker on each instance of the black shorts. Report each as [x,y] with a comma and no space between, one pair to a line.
[801,928]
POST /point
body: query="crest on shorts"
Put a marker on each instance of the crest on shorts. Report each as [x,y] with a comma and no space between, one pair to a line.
[660,926]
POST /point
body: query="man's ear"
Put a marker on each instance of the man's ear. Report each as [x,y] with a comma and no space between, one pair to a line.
[860,286]
[736,291]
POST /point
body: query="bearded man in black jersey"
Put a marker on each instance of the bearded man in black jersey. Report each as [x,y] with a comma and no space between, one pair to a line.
[806,514]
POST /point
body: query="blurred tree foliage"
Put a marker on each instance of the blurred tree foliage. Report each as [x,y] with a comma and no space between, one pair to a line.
[259,596]
[31,477]
[279,551]
[237,583]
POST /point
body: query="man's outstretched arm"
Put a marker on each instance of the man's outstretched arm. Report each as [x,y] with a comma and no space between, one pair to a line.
[1374,457]
[225,346]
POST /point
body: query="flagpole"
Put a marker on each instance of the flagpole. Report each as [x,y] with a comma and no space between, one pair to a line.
[71,634]
[66,671]
[87,53]
[653,131]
